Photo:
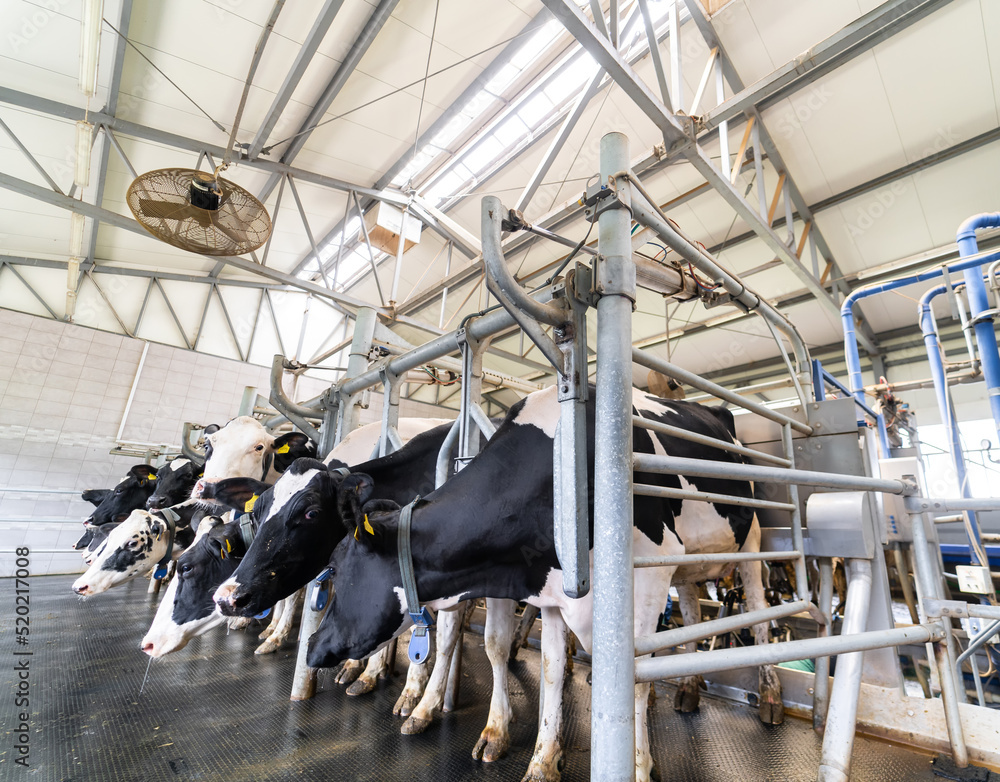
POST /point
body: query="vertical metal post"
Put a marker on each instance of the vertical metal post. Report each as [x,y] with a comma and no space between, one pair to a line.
[821,679]
[801,576]
[928,580]
[838,739]
[613,692]
[248,401]
[357,363]
[304,682]
[720,95]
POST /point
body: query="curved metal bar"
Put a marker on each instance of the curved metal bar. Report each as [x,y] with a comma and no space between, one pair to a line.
[498,277]
[293,412]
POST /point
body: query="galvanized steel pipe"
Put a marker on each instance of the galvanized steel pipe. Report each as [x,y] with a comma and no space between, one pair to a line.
[647,462]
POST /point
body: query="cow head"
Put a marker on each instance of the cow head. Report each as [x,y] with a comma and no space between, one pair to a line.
[243,448]
[366,608]
[114,505]
[135,546]
[298,525]
[187,610]
[93,537]
[174,482]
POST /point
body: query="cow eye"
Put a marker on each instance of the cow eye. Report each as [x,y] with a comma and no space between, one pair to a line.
[312,514]
[259,447]
[185,568]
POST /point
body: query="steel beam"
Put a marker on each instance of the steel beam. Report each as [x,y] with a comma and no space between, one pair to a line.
[31,290]
[679,140]
[118,63]
[170,309]
[306,53]
[847,43]
[118,221]
[768,147]
[31,158]
[361,45]
[445,117]
[65,111]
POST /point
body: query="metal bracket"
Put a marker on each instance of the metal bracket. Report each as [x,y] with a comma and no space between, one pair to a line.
[599,198]
[935,607]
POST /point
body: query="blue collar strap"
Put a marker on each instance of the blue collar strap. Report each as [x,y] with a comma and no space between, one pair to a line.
[171,518]
[343,472]
[420,642]
[320,594]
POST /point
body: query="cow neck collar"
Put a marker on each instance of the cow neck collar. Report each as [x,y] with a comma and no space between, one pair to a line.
[248,529]
[171,518]
[419,648]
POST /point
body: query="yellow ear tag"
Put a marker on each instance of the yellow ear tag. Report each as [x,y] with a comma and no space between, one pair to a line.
[228,547]
[356,530]
[152,477]
[248,506]
[222,553]
[284,449]
[368,527]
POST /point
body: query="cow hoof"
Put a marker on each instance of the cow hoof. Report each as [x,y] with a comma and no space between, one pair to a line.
[270,646]
[350,671]
[405,704]
[265,635]
[541,776]
[688,695]
[492,745]
[414,725]
[238,622]
[362,686]
[771,712]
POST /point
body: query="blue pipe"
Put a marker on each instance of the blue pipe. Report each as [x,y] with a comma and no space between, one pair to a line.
[986,338]
[847,313]
[928,328]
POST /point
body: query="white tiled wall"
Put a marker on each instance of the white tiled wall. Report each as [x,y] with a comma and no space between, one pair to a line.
[63,392]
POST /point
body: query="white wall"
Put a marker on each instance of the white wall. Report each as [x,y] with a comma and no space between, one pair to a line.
[63,392]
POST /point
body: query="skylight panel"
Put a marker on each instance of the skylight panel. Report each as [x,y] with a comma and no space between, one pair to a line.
[533,111]
[503,79]
[478,104]
[511,132]
[447,186]
[571,79]
[452,130]
[483,153]
[536,44]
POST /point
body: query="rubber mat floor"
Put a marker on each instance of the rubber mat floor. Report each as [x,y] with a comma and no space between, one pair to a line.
[214,711]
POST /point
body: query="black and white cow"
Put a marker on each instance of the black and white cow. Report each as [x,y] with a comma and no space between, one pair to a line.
[186,609]
[174,626]
[243,448]
[131,492]
[290,549]
[488,533]
[133,547]
[174,482]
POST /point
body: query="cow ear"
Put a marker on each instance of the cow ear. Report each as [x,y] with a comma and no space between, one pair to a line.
[240,494]
[289,447]
[143,473]
[354,491]
[95,496]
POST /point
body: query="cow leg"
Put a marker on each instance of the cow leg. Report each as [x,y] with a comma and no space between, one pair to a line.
[448,633]
[770,709]
[377,664]
[495,738]
[523,629]
[349,671]
[546,762]
[276,612]
[283,632]
[689,688]
[416,682]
